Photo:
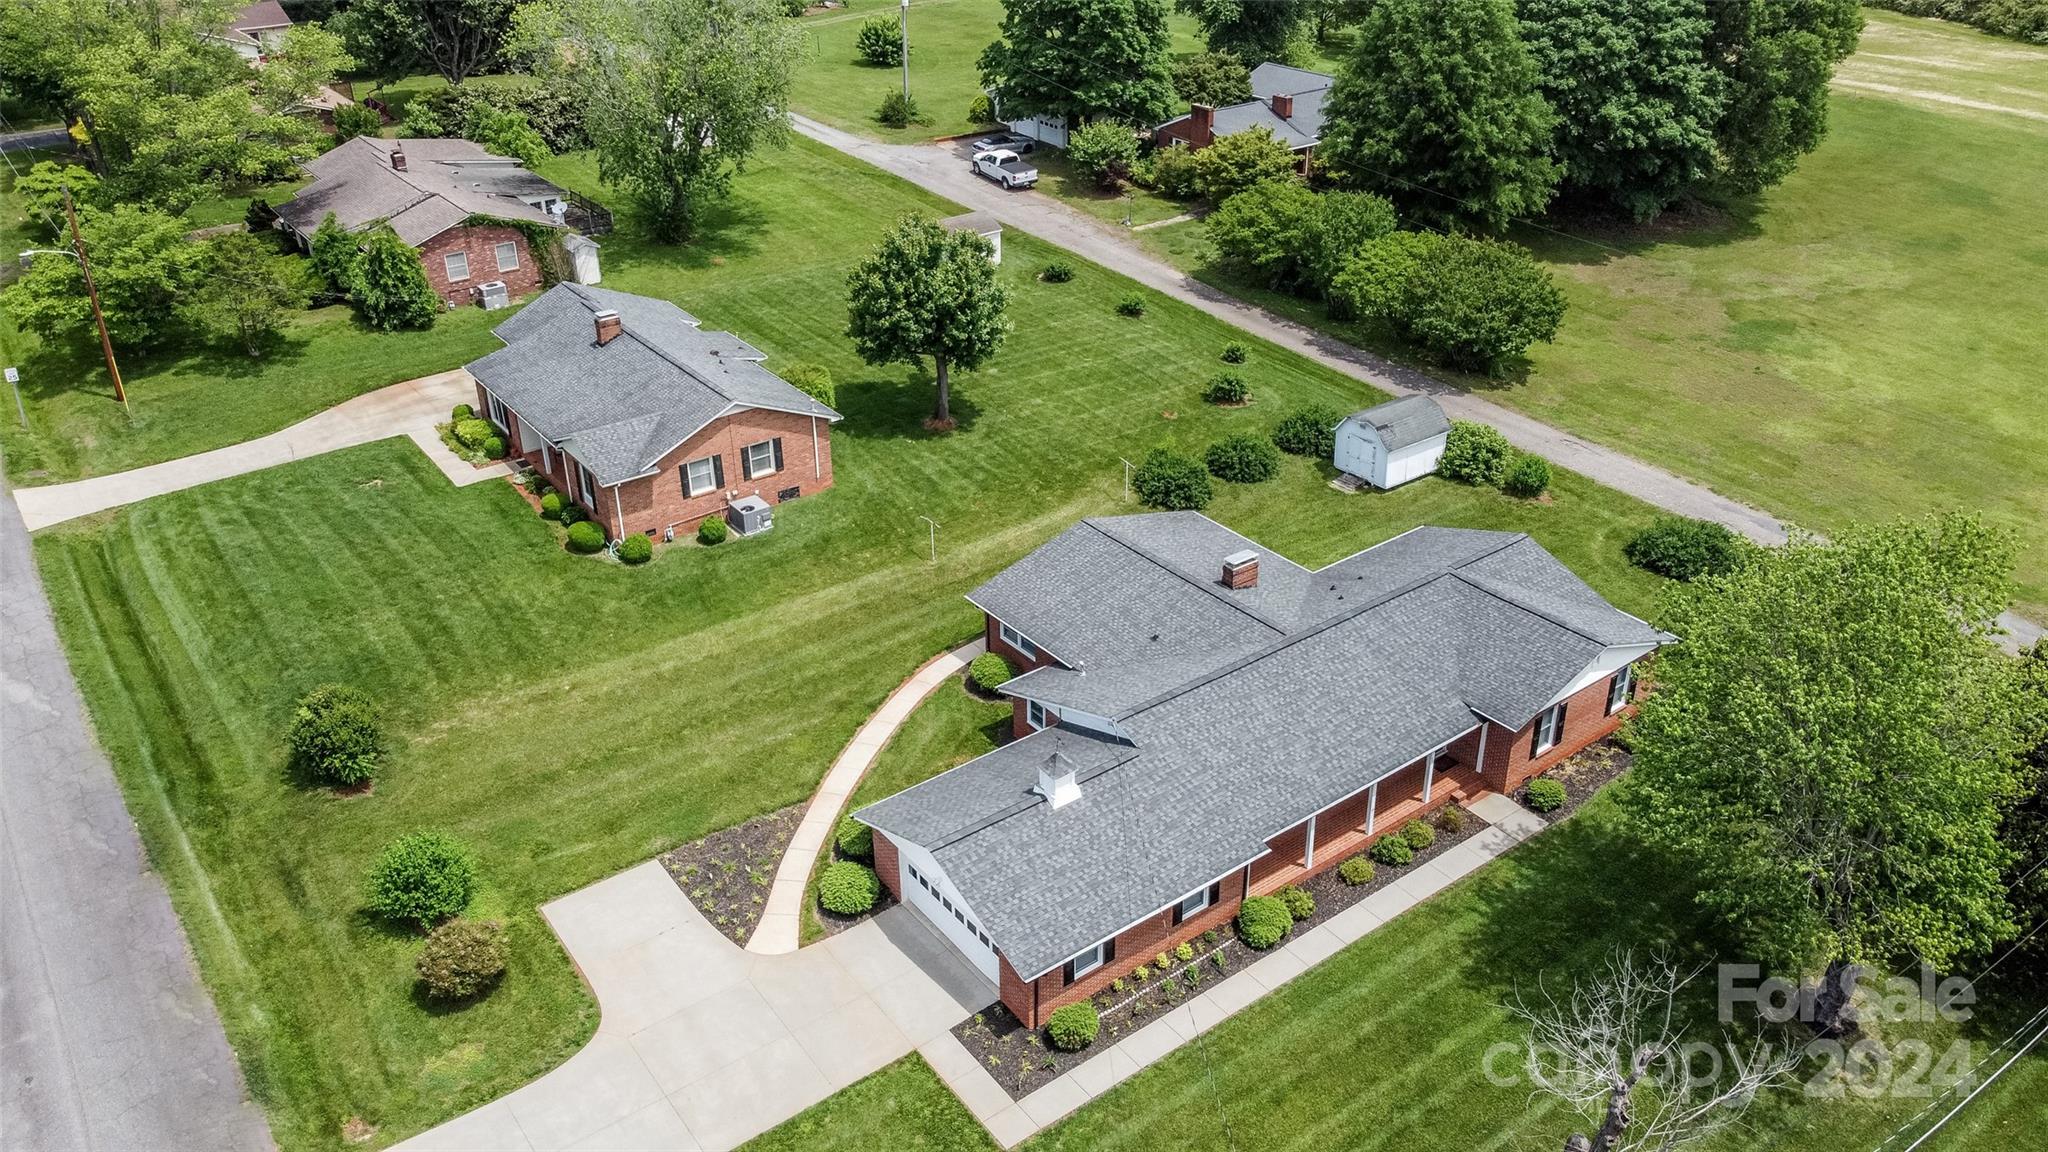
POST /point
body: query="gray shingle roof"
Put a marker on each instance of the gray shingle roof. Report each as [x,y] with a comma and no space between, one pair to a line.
[444,183]
[1404,421]
[621,407]
[1303,129]
[1240,713]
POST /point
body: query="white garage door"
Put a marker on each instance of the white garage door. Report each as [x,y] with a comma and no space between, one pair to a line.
[927,896]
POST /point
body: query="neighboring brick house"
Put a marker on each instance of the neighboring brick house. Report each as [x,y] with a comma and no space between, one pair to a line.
[644,419]
[441,197]
[1198,721]
[1288,102]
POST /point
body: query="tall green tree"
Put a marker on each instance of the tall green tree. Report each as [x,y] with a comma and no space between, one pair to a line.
[1254,30]
[308,60]
[142,264]
[389,288]
[456,38]
[246,291]
[1635,97]
[1081,60]
[1778,56]
[925,292]
[678,93]
[1832,742]
[1217,79]
[1437,109]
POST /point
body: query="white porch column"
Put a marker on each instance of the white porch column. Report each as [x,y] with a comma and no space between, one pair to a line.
[1428,775]
[1308,856]
[1372,806]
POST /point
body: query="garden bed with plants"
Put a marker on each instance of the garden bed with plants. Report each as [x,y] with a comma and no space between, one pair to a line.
[848,880]
[1577,778]
[727,874]
[471,437]
[1024,1060]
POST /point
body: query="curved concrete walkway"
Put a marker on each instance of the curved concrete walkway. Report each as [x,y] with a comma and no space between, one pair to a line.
[782,917]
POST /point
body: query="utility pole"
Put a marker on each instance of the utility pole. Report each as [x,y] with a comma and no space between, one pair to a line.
[906,53]
[92,293]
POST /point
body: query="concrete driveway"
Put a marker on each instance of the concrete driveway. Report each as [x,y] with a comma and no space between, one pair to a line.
[703,1045]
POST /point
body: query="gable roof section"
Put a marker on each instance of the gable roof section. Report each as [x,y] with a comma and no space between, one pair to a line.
[621,407]
[1405,421]
[1304,129]
[444,183]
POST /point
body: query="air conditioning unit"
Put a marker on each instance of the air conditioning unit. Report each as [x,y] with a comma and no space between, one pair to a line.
[750,514]
[494,294]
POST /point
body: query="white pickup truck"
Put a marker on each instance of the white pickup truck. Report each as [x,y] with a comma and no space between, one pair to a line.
[1002,166]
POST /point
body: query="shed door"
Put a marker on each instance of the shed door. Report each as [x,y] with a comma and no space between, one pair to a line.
[1365,452]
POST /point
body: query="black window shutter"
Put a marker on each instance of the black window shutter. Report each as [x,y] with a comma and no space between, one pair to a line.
[746,464]
[718,471]
[1176,911]
[1068,973]
[1536,736]
[778,452]
[683,474]
[1216,892]
[1109,951]
[1557,733]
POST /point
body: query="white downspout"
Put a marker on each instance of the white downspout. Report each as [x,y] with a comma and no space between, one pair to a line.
[1308,858]
[1428,775]
[618,514]
[1481,766]
[1372,806]
[817,466]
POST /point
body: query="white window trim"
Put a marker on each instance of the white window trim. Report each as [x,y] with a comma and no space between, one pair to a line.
[498,254]
[448,265]
[1547,728]
[754,473]
[1620,688]
[1201,894]
[1034,714]
[1080,969]
[1017,640]
[583,484]
[710,476]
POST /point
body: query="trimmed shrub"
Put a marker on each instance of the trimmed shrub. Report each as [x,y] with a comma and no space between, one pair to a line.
[1239,161]
[855,840]
[1475,454]
[1262,921]
[1057,272]
[1132,305]
[897,111]
[462,412]
[1685,549]
[462,959]
[1169,480]
[353,120]
[813,381]
[990,671]
[334,735]
[494,448]
[1233,353]
[424,877]
[472,433]
[1545,794]
[1300,903]
[636,549]
[712,530]
[847,888]
[585,538]
[1528,477]
[1072,1027]
[980,110]
[1266,232]
[1310,431]
[1356,871]
[1472,304]
[1450,819]
[1243,459]
[1418,835]
[879,42]
[1392,851]
[551,506]
[1226,388]
[1104,151]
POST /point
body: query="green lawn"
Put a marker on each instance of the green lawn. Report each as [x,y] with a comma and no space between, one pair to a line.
[904,1106]
[1383,1045]
[569,717]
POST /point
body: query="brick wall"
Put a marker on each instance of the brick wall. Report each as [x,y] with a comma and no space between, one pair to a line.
[653,503]
[887,865]
[1020,719]
[480,242]
[1284,851]
[991,631]
[1510,762]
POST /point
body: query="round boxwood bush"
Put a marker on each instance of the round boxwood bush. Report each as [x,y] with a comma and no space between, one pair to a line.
[1057,272]
[1392,851]
[551,506]
[1300,903]
[1546,795]
[334,735]
[462,959]
[1475,454]
[1226,388]
[1450,818]
[494,448]
[472,433]
[462,412]
[1528,477]
[1309,431]
[1355,871]
[990,671]
[1243,459]
[854,839]
[1233,353]
[424,877]
[636,549]
[1418,835]
[1169,480]
[1132,305]
[1072,1027]
[712,530]
[1262,921]
[847,888]
[585,538]
[1685,549]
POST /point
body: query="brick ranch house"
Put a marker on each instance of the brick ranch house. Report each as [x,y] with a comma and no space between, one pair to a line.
[432,193]
[650,423]
[1288,102]
[1200,722]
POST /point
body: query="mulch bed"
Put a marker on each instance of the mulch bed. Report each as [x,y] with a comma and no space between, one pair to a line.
[832,922]
[1022,1060]
[1582,774]
[727,874]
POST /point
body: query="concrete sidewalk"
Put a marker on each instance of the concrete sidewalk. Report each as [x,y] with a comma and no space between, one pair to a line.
[411,408]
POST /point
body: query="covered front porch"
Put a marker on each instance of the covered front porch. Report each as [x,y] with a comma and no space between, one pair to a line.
[1350,825]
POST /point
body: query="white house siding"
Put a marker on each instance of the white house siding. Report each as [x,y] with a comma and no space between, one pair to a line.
[956,932]
[1360,453]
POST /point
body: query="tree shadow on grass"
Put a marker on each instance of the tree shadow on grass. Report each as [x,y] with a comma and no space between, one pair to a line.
[730,230]
[880,409]
[1587,236]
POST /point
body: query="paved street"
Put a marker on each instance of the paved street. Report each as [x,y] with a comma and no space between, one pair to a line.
[107,1039]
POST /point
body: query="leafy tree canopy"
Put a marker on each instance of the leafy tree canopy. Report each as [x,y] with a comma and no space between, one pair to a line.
[308,60]
[456,38]
[1104,150]
[1082,60]
[1217,79]
[1472,303]
[247,290]
[388,286]
[927,292]
[1778,56]
[1255,30]
[1239,161]
[142,265]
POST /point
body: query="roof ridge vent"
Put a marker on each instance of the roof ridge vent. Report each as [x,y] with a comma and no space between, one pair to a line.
[1056,780]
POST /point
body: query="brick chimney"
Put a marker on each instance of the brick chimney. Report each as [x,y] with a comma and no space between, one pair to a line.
[608,326]
[1241,569]
[398,158]
[1201,125]
[1283,106]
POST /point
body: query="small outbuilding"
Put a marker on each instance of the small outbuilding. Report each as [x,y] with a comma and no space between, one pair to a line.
[982,224]
[1390,444]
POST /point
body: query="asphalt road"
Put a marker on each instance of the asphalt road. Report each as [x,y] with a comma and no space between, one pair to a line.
[107,1039]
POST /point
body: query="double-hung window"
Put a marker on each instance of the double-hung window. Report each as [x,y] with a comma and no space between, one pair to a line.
[589,485]
[457,264]
[701,476]
[1549,726]
[1619,688]
[1089,959]
[500,415]
[508,256]
[763,459]
[1195,901]
[1034,714]
[1017,640]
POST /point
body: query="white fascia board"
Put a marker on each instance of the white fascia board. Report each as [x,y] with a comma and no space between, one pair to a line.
[1606,664]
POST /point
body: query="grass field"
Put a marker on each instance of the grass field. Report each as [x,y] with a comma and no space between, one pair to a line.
[569,717]
[1383,1046]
